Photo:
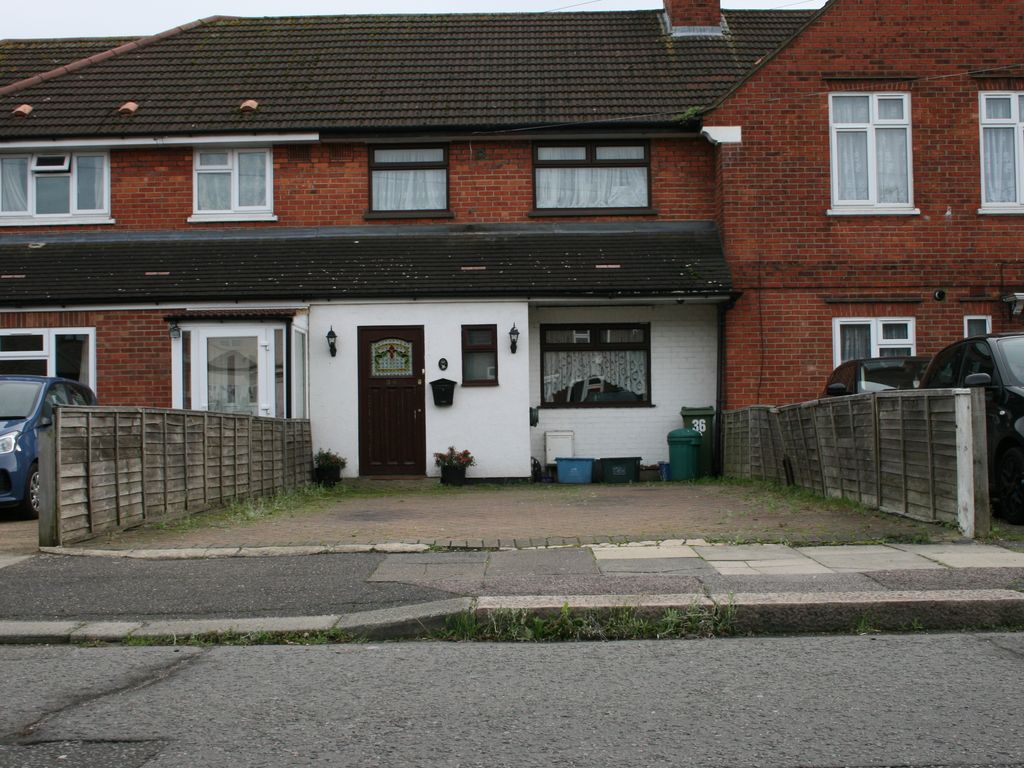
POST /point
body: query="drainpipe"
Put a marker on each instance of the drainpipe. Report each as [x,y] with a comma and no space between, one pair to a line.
[717,463]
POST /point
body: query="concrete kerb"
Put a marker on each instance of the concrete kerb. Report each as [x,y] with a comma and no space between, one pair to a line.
[746,614]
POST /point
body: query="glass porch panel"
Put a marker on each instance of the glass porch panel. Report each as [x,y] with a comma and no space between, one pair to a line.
[23,368]
[73,357]
[232,371]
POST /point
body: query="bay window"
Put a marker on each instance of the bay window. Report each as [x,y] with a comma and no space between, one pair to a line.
[69,187]
[871,153]
[584,365]
[591,175]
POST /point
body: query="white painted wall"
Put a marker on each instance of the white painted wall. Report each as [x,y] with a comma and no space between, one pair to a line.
[684,354]
[492,422]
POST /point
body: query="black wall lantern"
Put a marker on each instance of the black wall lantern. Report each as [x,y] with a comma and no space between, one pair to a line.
[175,330]
[513,337]
[332,342]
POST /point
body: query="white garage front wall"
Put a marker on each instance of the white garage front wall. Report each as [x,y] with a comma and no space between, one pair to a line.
[684,359]
[492,422]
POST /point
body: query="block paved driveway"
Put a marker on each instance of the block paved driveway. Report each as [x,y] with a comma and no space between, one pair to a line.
[370,512]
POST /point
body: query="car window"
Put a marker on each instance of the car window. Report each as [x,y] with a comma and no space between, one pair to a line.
[76,396]
[55,395]
[18,398]
[978,359]
[880,375]
[945,370]
[1013,352]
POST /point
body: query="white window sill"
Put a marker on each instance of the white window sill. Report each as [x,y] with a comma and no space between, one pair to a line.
[202,218]
[52,221]
[852,211]
[1002,211]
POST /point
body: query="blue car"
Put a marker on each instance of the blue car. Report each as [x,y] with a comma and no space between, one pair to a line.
[26,403]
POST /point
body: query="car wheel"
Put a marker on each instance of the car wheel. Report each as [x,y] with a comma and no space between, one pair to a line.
[30,501]
[1010,485]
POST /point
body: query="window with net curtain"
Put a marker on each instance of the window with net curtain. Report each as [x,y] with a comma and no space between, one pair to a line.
[595,365]
[871,146]
[1001,125]
[860,338]
[53,185]
[232,180]
[408,179]
[590,175]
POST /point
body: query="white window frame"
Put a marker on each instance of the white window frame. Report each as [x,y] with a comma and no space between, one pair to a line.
[1015,121]
[199,335]
[49,350]
[986,318]
[236,212]
[76,215]
[871,205]
[300,395]
[877,342]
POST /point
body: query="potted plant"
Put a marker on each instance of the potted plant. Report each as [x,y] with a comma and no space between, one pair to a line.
[453,464]
[327,466]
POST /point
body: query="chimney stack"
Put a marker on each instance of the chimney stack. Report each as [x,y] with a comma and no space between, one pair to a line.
[694,18]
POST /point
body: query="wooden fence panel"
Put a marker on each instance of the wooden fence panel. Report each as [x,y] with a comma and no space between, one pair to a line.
[116,468]
[920,454]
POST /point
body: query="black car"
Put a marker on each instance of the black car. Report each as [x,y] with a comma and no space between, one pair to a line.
[996,362]
[875,374]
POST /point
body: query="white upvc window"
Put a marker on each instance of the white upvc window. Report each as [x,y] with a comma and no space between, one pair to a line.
[66,352]
[233,184]
[977,325]
[55,188]
[1002,148]
[871,153]
[855,338]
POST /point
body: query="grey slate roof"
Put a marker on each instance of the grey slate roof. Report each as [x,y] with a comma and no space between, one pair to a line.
[23,58]
[529,261]
[445,72]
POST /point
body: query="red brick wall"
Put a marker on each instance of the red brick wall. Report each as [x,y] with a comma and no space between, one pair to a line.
[788,256]
[133,355]
[489,181]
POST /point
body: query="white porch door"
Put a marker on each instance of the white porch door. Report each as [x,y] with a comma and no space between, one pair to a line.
[234,369]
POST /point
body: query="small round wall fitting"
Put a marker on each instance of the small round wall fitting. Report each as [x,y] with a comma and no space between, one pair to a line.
[939,295]
[443,364]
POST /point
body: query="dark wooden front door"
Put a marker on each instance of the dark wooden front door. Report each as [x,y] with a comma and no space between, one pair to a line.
[392,438]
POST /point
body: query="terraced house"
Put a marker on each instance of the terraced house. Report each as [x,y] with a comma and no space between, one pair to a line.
[604,216]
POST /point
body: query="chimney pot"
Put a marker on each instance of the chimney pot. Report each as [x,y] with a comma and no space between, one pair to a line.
[22,110]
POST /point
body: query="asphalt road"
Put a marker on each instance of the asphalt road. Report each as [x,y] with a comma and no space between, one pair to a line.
[87,588]
[912,700]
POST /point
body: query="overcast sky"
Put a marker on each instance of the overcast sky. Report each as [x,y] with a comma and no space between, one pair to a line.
[104,18]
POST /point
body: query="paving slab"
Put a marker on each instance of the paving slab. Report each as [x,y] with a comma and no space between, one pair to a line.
[776,565]
[745,552]
[666,565]
[967,555]
[638,553]
[541,562]
[859,559]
